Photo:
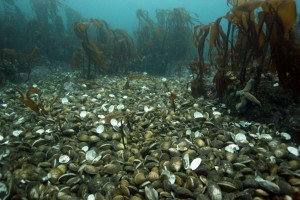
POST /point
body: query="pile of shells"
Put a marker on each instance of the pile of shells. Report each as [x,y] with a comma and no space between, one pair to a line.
[100,141]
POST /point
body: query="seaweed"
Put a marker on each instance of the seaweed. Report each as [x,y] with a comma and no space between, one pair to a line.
[165,42]
[28,59]
[27,100]
[259,38]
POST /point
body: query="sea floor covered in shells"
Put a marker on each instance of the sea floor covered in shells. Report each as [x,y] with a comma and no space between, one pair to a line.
[99,140]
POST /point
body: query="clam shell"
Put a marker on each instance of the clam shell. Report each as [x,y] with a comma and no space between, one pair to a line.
[195,163]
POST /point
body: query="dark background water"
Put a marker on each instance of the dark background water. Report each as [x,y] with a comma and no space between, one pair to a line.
[121,13]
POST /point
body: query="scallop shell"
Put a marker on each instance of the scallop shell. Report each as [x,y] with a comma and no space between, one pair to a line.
[232,148]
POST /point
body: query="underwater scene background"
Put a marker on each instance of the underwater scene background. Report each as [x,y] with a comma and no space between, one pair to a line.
[139,99]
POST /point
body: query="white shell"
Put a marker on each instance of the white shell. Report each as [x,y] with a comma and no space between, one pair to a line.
[285,135]
[104,107]
[64,159]
[91,197]
[148,108]
[4,105]
[111,95]
[20,121]
[275,84]
[186,161]
[244,123]
[266,137]
[198,134]
[98,96]
[65,101]
[216,113]
[100,129]
[232,148]
[1,138]
[90,155]
[125,97]
[114,122]
[293,150]
[163,79]
[83,114]
[172,178]
[40,131]
[111,108]
[188,132]
[198,115]
[196,163]
[120,107]
[85,148]
[240,137]
[16,133]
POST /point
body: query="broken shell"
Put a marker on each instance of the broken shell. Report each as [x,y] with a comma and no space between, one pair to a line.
[232,148]
[198,115]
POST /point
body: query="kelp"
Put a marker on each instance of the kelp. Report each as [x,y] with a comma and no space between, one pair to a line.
[166,41]
[27,100]
[28,58]
[94,54]
[109,50]
[257,31]
[77,59]
[198,69]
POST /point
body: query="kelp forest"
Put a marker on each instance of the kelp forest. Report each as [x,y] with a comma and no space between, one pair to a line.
[255,43]
[233,59]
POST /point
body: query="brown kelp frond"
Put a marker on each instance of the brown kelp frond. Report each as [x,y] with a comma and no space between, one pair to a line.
[77,59]
[260,34]
[80,29]
[96,56]
[222,80]
[100,24]
[172,94]
[26,99]
[248,6]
